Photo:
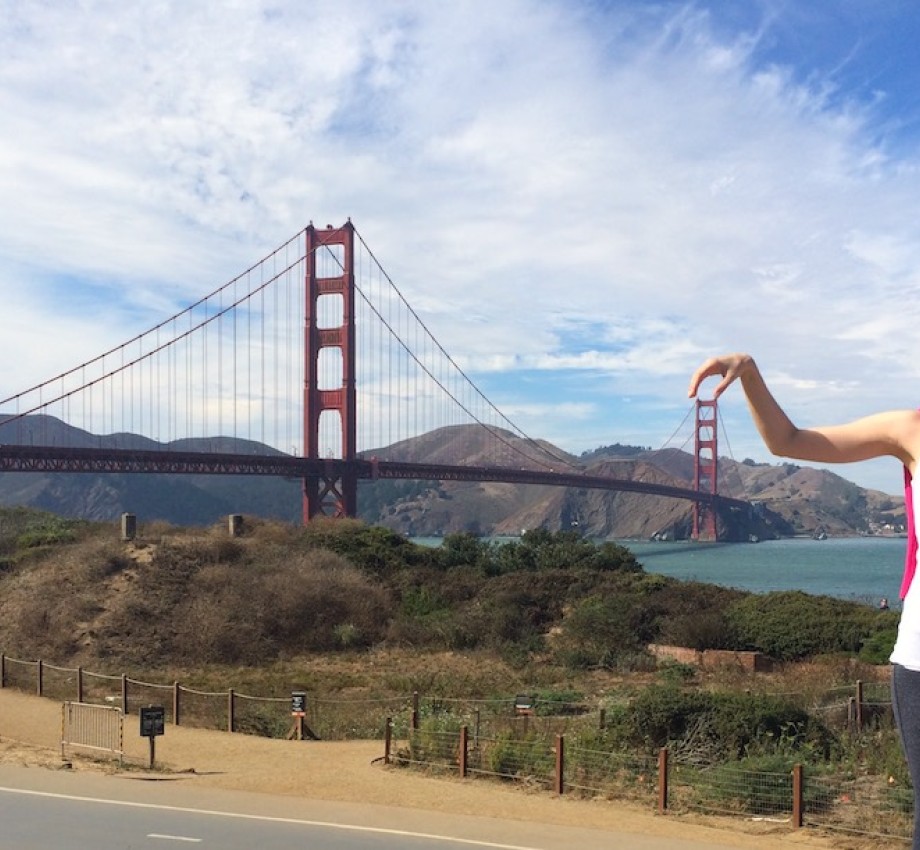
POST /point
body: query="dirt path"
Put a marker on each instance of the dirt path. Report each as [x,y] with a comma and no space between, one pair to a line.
[352,771]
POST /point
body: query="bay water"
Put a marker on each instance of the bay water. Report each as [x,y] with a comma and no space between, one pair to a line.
[860,569]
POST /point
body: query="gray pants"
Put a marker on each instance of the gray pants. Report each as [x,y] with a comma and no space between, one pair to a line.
[905,699]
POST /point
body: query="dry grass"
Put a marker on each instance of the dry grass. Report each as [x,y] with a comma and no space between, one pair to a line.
[262,610]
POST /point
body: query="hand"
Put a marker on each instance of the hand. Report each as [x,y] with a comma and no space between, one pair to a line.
[729,366]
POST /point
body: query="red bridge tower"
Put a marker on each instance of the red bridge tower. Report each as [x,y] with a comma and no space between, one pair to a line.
[706,470]
[335,492]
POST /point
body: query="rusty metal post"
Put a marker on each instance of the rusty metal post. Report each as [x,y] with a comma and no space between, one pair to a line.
[560,764]
[663,780]
[464,749]
[414,723]
[79,684]
[40,675]
[175,695]
[124,694]
[231,707]
[387,740]
[2,670]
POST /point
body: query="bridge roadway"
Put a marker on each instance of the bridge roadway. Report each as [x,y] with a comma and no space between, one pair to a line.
[20,458]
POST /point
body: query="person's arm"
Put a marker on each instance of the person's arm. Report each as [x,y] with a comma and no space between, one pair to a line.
[895,433]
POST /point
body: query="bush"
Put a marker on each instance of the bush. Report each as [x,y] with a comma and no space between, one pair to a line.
[694,614]
[540,549]
[598,631]
[877,647]
[437,740]
[759,785]
[463,550]
[791,625]
[515,755]
[703,727]
[374,549]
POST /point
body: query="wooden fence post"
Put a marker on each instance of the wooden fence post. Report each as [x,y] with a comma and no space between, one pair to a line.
[230,709]
[798,796]
[387,740]
[464,749]
[2,670]
[560,764]
[124,694]
[414,723]
[176,690]
[40,675]
[79,684]
[603,719]
[663,780]
[859,705]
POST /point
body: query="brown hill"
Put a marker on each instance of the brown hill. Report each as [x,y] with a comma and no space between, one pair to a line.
[788,499]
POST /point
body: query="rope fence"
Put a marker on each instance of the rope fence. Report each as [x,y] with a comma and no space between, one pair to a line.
[538,743]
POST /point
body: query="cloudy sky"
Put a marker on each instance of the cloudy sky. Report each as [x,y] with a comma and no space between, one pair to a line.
[581,199]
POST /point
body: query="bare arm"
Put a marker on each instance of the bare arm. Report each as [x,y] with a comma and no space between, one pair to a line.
[895,433]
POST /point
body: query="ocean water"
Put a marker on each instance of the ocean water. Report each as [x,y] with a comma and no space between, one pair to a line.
[862,569]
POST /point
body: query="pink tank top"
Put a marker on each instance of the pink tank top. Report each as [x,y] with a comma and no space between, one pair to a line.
[910,560]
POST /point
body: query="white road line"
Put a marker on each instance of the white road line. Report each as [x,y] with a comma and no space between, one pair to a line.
[240,816]
[174,837]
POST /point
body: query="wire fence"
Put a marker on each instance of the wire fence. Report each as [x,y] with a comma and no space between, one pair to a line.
[542,743]
[865,806]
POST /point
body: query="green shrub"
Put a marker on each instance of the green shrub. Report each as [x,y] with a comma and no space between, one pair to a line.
[877,647]
[559,702]
[463,549]
[675,673]
[758,785]
[375,549]
[437,740]
[515,755]
[711,727]
[540,549]
[694,614]
[601,629]
[791,625]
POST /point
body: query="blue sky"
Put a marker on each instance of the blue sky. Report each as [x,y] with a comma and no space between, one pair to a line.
[581,199]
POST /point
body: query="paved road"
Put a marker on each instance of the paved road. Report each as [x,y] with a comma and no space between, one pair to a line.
[42,809]
[40,821]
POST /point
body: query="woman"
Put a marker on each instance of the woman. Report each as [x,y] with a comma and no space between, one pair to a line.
[895,433]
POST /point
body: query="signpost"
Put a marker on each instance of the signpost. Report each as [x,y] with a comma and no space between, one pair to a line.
[153,723]
[298,712]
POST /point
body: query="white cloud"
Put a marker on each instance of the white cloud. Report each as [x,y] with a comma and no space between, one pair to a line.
[530,173]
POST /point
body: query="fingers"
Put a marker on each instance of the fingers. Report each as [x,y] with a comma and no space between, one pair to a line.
[723,385]
[713,366]
[729,366]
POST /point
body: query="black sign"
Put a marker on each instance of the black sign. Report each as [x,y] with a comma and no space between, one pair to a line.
[153,721]
[298,703]
[523,704]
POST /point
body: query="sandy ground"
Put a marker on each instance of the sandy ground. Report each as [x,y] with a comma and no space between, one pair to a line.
[353,771]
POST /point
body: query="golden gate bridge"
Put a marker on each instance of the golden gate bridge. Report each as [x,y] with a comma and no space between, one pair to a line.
[310,365]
